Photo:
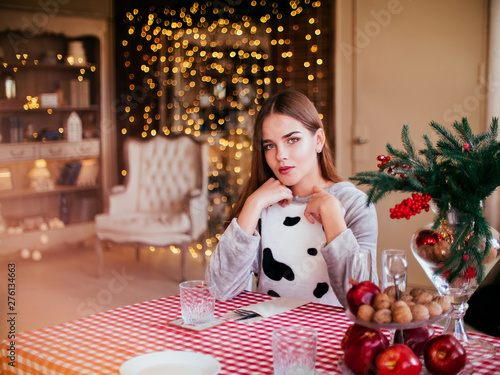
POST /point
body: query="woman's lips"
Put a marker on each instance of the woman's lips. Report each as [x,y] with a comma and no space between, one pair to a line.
[285,170]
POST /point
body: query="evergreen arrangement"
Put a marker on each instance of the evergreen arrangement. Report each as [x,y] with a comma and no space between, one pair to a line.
[458,172]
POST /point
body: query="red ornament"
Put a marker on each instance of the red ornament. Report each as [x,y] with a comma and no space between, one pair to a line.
[470,273]
[465,257]
[466,146]
[427,237]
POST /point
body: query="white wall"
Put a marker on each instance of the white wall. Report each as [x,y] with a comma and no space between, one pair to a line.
[409,62]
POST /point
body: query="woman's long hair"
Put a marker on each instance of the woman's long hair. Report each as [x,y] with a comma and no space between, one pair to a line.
[298,106]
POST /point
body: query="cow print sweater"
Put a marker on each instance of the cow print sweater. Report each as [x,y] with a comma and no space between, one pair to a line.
[289,256]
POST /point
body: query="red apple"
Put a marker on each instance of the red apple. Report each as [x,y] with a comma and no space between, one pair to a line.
[398,359]
[444,355]
[351,332]
[415,338]
[361,351]
[360,294]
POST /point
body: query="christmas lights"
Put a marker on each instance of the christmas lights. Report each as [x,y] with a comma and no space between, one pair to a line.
[204,70]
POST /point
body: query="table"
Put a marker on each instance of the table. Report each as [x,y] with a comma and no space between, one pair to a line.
[99,344]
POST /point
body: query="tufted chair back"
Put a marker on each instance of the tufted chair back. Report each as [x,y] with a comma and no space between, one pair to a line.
[164,170]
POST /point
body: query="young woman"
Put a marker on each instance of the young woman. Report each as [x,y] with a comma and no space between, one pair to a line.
[296,222]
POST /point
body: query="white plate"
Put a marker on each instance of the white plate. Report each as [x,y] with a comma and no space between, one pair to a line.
[171,362]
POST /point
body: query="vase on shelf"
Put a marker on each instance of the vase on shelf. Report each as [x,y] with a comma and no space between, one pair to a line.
[457,256]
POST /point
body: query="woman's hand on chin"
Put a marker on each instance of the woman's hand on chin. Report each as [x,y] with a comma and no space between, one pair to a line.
[327,210]
[270,192]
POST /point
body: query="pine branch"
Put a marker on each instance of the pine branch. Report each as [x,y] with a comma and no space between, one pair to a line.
[430,152]
[449,139]
[407,143]
[491,135]
[397,154]
[464,130]
[493,129]
[459,172]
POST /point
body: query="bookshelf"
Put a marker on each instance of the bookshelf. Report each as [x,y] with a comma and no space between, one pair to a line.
[42,86]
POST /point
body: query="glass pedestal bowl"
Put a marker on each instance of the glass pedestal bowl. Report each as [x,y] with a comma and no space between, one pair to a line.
[431,249]
[393,327]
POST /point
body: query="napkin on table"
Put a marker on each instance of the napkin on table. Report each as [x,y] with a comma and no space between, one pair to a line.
[268,308]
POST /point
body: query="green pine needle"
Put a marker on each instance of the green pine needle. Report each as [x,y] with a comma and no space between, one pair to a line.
[459,171]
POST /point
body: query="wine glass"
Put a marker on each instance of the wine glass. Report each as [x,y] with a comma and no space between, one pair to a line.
[360,266]
[394,269]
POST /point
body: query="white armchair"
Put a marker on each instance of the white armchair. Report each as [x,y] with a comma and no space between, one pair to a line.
[164,199]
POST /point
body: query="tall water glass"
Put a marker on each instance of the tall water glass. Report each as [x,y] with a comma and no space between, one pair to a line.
[197,301]
[394,268]
[294,350]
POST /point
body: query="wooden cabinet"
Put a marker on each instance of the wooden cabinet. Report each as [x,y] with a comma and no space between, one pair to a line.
[11,153]
[42,84]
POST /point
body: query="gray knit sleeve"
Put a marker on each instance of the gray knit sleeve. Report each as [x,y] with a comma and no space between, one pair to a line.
[233,261]
[362,232]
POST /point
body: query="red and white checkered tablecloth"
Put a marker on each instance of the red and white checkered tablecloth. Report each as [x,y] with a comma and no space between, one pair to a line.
[100,343]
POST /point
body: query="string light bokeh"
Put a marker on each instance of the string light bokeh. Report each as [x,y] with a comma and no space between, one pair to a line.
[204,70]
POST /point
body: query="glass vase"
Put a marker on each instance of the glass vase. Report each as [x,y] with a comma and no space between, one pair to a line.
[458,279]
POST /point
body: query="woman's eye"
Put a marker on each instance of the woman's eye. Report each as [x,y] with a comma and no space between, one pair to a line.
[293,140]
[268,146]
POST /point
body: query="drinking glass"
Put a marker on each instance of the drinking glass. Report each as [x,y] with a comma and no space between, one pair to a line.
[394,269]
[294,350]
[197,301]
[360,266]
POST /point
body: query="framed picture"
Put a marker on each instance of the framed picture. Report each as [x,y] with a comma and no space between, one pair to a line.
[5,179]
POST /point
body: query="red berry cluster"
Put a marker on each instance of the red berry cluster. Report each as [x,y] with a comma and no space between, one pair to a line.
[384,159]
[411,206]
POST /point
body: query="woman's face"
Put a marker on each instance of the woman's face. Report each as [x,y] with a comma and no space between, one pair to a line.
[291,151]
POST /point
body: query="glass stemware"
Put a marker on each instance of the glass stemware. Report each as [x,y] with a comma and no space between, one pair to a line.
[360,266]
[394,269]
[431,248]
